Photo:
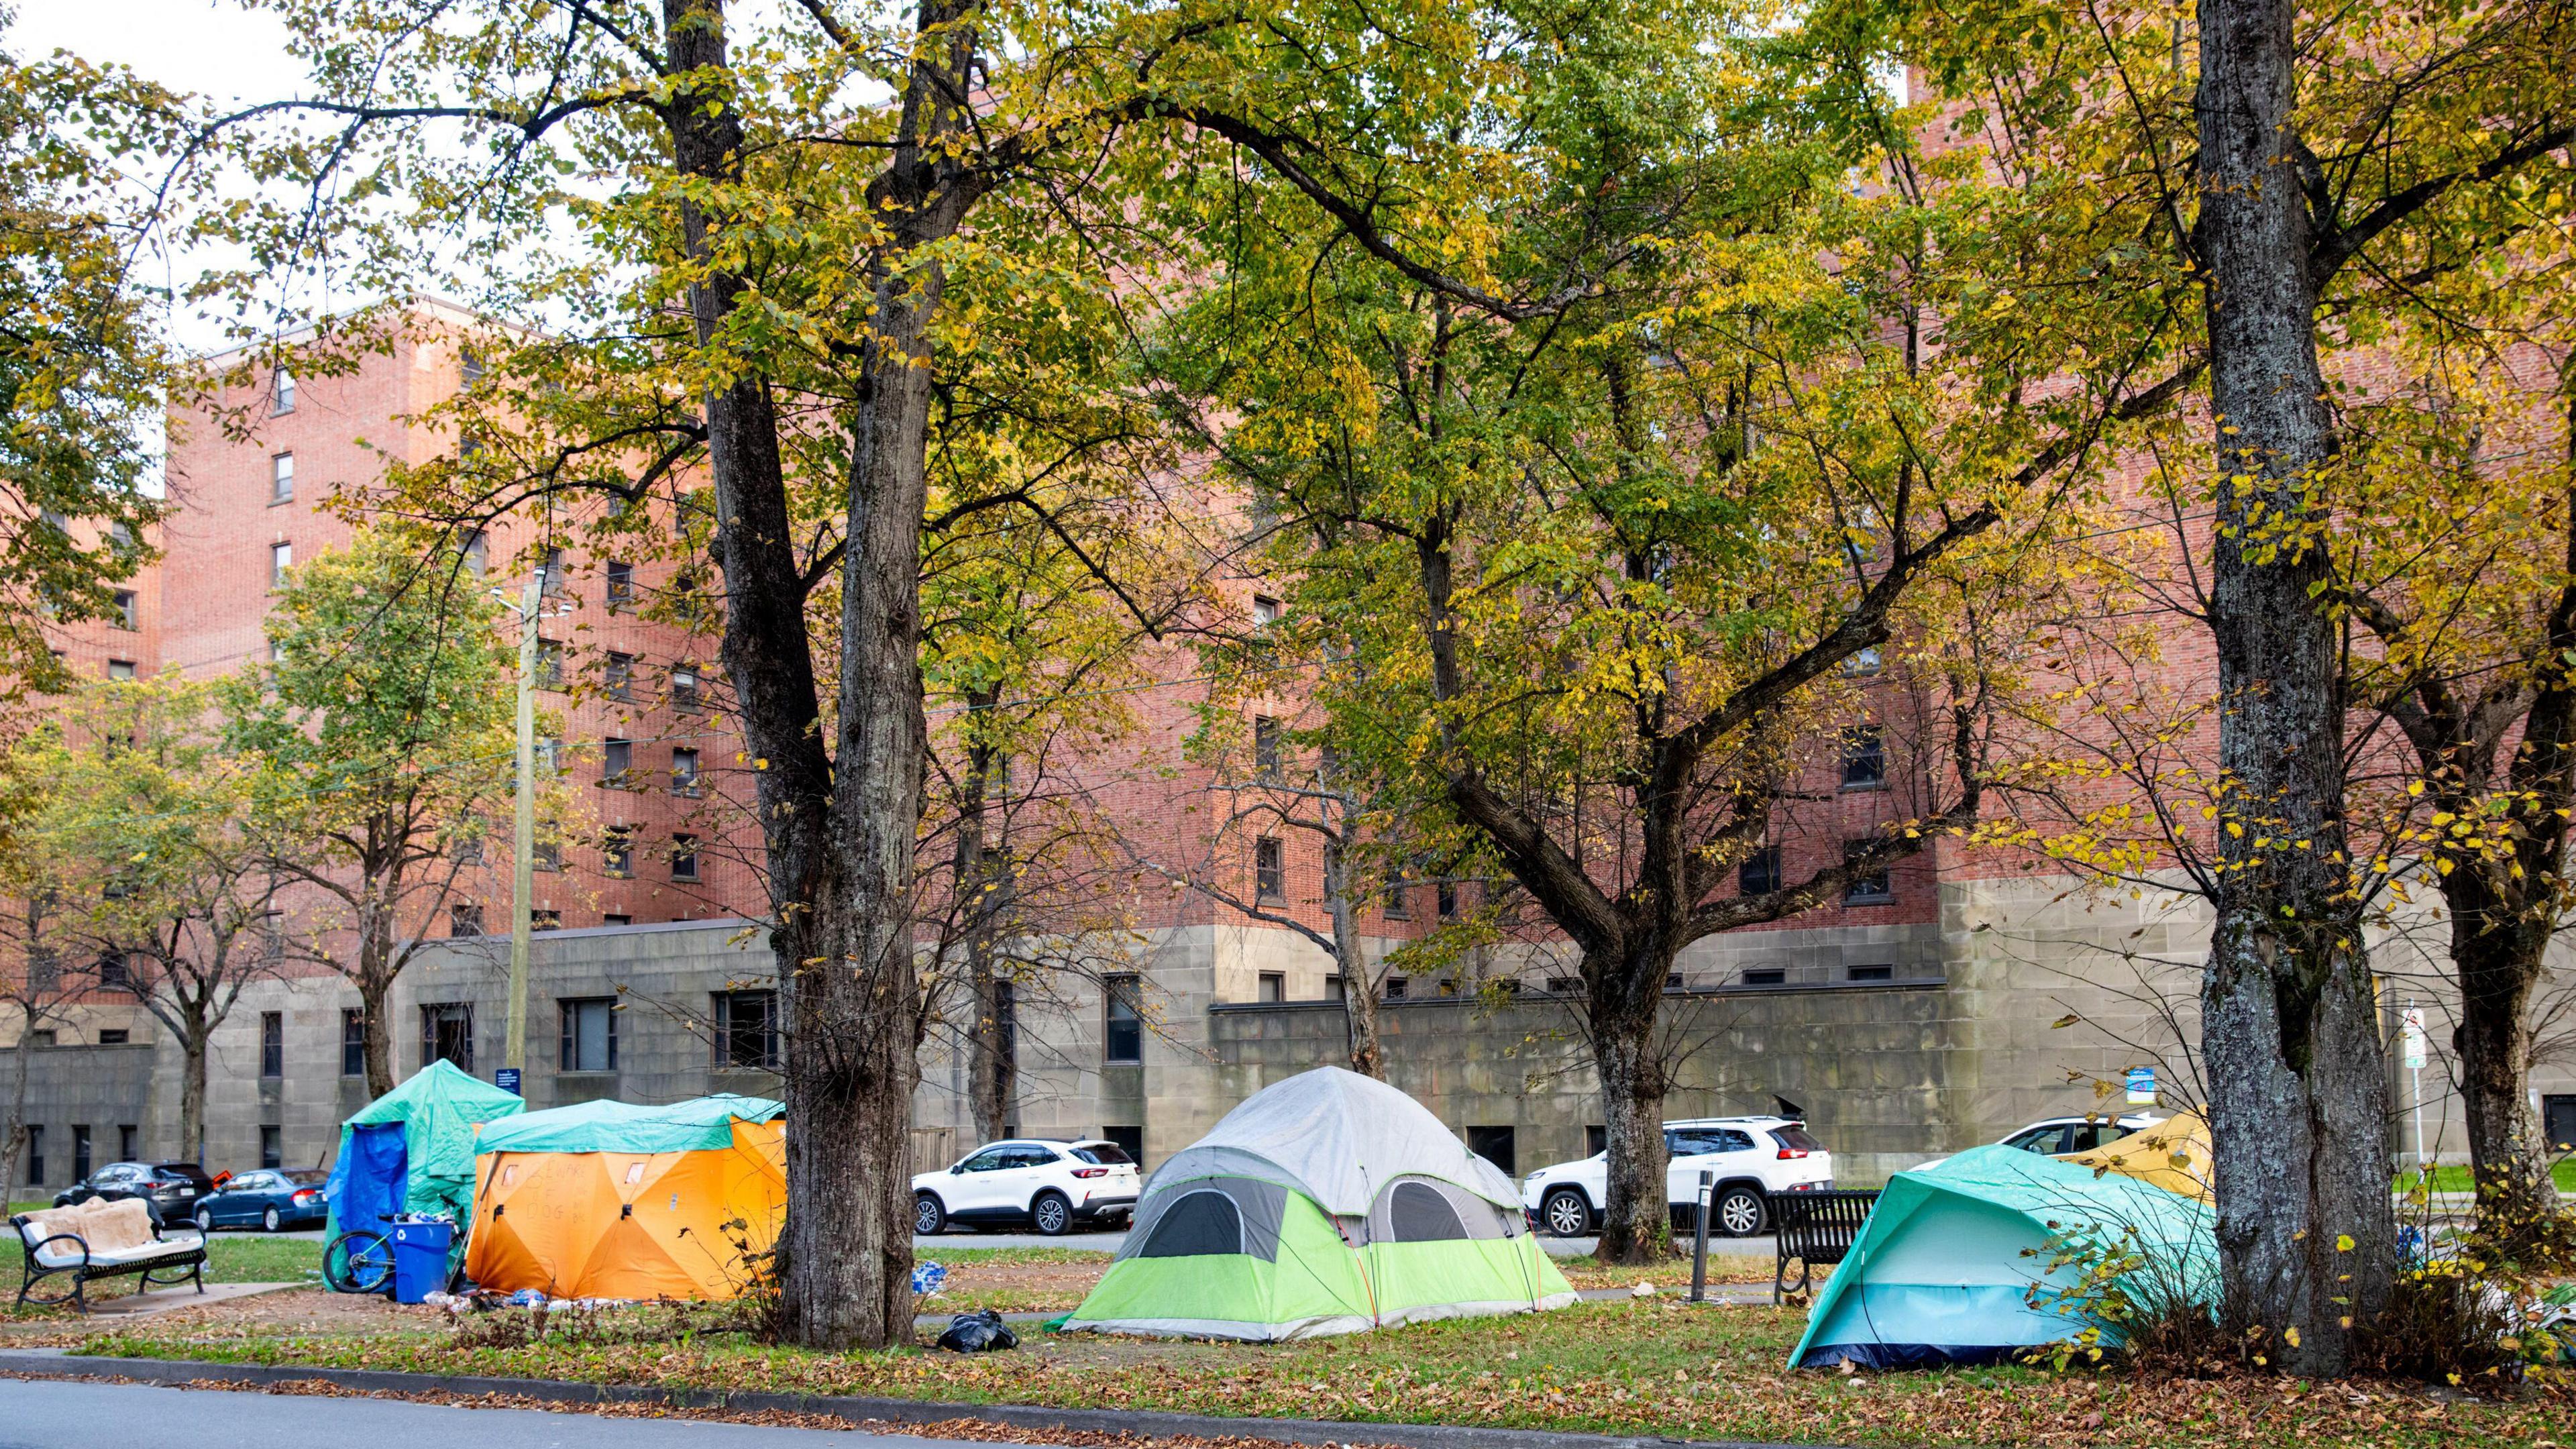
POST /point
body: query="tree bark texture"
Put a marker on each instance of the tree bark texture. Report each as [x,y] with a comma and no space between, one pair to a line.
[375,982]
[1359,988]
[2291,1040]
[1636,1217]
[15,1140]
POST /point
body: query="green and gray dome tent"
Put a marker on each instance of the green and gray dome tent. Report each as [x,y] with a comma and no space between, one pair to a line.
[1327,1203]
[1961,1263]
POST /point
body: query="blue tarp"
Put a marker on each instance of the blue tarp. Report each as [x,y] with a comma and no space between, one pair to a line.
[370,1182]
[1954,1263]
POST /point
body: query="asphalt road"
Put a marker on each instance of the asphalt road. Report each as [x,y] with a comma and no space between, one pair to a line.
[46,1414]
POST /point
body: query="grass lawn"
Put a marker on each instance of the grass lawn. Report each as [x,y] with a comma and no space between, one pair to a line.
[2455,1177]
[1652,1368]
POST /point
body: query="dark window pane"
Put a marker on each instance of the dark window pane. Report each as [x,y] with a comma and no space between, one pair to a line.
[1864,757]
[1200,1224]
[1419,1214]
[1124,1039]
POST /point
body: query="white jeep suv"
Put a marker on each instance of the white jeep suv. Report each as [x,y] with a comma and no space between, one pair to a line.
[1029,1181]
[1750,1156]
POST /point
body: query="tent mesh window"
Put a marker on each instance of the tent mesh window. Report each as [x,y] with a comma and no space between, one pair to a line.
[1419,1214]
[1199,1223]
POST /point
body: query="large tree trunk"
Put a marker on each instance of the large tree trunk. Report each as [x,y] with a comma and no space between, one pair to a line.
[2297,1072]
[192,1095]
[1636,1216]
[1359,988]
[375,983]
[2498,966]
[984,881]
[13,1133]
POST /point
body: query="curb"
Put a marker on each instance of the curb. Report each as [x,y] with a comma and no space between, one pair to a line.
[57,1364]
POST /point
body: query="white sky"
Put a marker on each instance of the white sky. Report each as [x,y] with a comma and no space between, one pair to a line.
[211,47]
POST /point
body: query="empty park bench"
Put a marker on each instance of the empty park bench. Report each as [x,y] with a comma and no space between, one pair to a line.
[102,1239]
[1814,1228]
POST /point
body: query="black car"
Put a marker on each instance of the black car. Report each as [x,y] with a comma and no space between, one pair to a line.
[275,1198]
[170,1189]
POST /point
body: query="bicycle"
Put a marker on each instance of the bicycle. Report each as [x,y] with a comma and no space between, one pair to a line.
[362,1260]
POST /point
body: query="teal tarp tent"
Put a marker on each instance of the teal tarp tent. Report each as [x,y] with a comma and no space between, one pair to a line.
[1945,1270]
[432,1169]
[700,1124]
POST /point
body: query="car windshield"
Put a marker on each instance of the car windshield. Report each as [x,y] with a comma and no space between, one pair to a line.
[1107,1154]
[307,1177]
[1796,1137]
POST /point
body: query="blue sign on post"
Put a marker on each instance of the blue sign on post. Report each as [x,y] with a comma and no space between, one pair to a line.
[507,1079]
[2142,1086]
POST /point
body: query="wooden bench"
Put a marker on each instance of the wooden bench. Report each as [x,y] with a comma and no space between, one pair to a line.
[1814,1228]
[101,1239]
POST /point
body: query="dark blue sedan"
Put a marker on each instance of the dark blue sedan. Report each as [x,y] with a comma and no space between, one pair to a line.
[271,1198]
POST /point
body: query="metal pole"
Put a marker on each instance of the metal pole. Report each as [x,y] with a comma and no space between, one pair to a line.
[2409,1042]
[523,855]
[1699,1250]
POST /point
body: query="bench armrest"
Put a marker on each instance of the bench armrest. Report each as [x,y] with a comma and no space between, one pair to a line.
[36,1248]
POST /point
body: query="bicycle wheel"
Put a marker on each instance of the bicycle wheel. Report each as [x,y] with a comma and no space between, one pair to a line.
[358,1263]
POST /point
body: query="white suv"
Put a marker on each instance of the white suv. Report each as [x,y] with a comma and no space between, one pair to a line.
[1750,1156]
[2058,1136]
[1029,1181]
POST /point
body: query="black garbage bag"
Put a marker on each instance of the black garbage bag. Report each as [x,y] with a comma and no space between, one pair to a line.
[981,1332]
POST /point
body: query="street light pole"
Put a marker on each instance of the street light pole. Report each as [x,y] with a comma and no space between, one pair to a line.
[523,854]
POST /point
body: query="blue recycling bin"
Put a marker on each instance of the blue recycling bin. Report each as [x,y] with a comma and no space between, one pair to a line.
[420,1259]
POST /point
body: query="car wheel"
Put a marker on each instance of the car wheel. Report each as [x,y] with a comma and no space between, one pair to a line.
[270,1220]
[928,1217]
[1053,1214]
[1739,1212]
[205,1221]
[1567,1213]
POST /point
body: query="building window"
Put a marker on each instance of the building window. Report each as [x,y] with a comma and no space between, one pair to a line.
[617,676]
[1122,1040]
[353,1042]
[617,851]
[1394,990]
[1868,888]
[1873,973]
[550,573]
[447,1034]
[616,918]
[42,1036]
[114,1036]
[464,918]
[616,759]
[1758,874]
[1395,906]
[1445,900]
[272,1044]
[1265,746]
[466,850]
[281,558]
[1862,661]
[1265,611]
[684,688]
[1864,758]
[272,1147]
[684,772]
[125,1145]
[129,615]
[112,972]
[281,392]
[746,1029]
[621,586]
[545,920]
[547,855]
[35,1154]
[684,857]
[1269,869]
[476,549]
[1494,1144]
[1130,1140]
[1563,985]
[589,1040]
[549,755]
[1334,990]
[1766,976]
[80,1153]
[549,664]
[1274,986]
[122,669]
[281,478]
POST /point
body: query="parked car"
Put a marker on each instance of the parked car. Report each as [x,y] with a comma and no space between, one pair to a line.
[1028,1181]
[2057,1136]
[1751,1156]
[272,1198]
[170,1189]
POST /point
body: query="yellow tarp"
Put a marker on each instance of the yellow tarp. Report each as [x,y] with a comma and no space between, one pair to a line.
[2173,1154]
[629,1225]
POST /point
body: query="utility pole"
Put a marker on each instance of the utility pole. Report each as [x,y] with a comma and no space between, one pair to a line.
[523,854]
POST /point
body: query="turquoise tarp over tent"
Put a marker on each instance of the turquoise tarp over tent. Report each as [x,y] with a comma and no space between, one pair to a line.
[430,1167]
[701,1124]
[1944,1271]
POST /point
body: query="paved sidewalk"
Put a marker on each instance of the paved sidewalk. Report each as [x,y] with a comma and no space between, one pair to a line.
[162,1300]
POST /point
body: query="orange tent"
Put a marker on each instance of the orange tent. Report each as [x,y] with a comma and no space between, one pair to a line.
[566,1213]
